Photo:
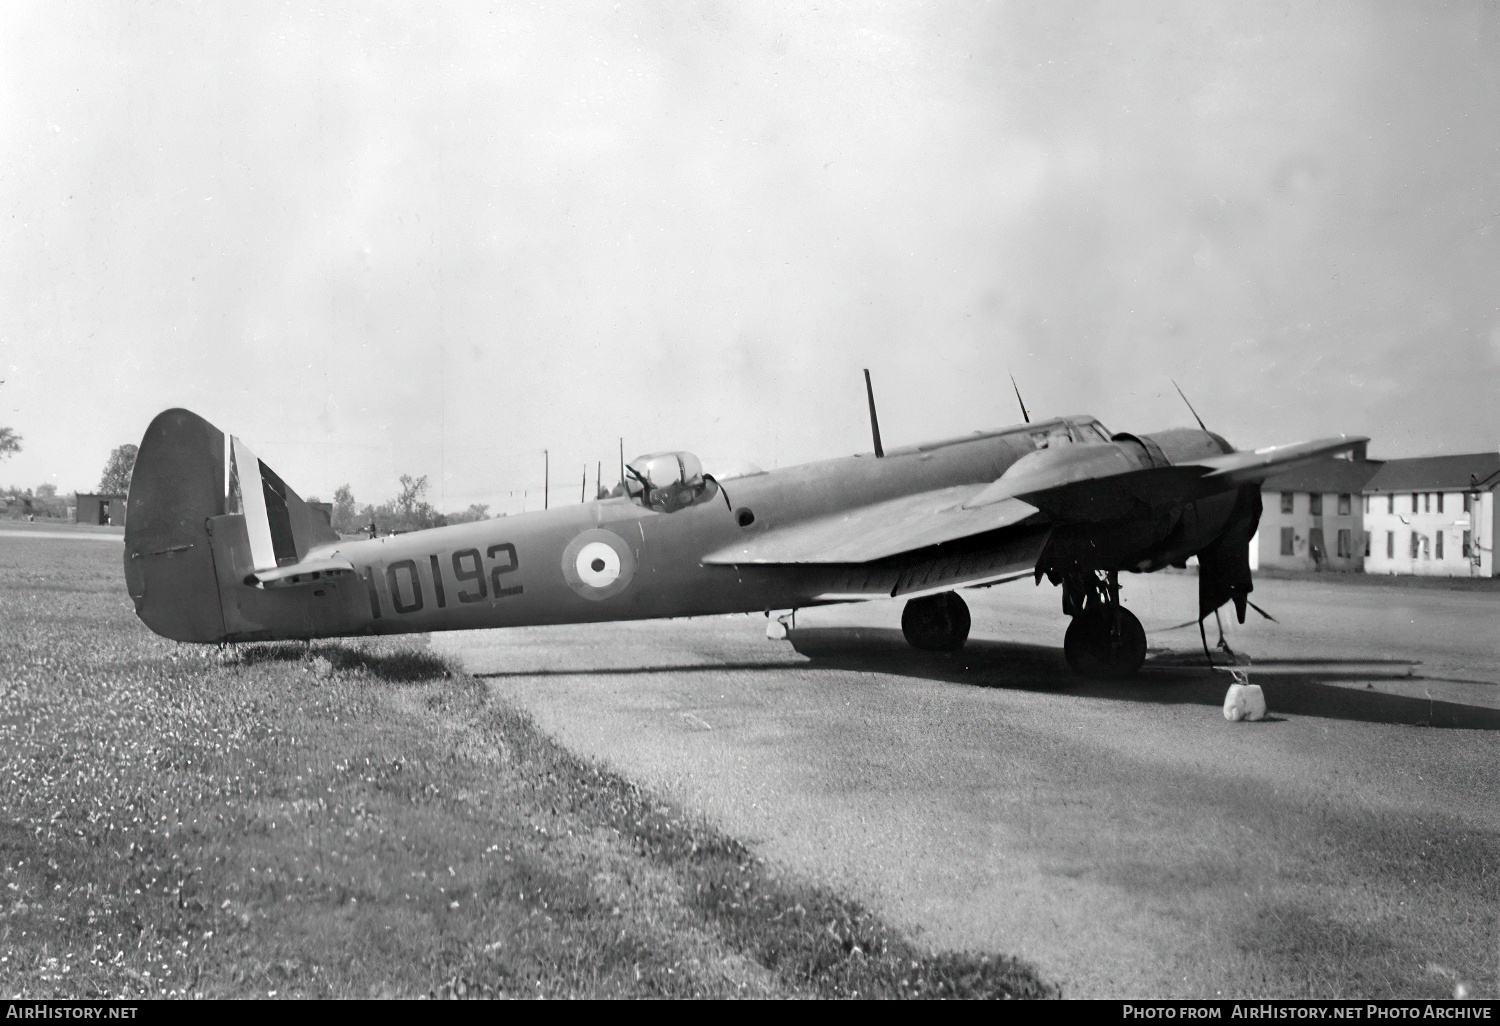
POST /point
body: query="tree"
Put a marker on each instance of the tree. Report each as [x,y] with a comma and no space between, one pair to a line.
[345,513]
[478,511]
[408,511]
[116,479]
[10,442]
[47,501]
[412,490]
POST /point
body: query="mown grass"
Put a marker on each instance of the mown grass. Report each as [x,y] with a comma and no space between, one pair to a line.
[356,819]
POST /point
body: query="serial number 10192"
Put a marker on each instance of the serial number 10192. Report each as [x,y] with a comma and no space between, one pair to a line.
[405,583]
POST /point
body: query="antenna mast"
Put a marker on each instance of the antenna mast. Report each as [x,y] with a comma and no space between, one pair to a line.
[874,423]
[1024,415]
[1189,405]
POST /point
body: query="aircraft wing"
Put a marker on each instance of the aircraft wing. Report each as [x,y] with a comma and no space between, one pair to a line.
[1073,484]
[868,533]
[1089,483]
[1241,467]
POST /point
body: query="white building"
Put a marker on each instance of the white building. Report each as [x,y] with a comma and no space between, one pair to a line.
[1434,516]
[1312,518]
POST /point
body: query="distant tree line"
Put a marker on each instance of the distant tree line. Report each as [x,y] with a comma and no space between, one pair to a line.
[44,501]
[408,511]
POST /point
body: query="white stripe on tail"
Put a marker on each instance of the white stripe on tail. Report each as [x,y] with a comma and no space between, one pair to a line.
[253,496]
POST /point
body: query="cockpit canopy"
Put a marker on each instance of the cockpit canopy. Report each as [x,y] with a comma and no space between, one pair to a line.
[667,481]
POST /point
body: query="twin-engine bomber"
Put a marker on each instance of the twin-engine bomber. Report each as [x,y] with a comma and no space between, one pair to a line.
[219,549]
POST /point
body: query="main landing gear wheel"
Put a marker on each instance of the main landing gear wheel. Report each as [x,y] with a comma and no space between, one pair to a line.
[936,623]
[1100,645]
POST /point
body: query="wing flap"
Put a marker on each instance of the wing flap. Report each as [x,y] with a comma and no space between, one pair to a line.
[876,531]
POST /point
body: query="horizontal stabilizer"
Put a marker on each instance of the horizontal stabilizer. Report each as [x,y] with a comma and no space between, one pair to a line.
[309,571]
[877,531]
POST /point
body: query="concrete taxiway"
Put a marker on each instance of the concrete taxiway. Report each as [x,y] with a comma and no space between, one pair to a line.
[1124,837]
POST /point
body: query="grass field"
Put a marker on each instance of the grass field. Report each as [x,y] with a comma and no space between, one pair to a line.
[360,820]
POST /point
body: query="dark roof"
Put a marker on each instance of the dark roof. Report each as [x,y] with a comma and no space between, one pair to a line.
[1325,475]
[1437,472]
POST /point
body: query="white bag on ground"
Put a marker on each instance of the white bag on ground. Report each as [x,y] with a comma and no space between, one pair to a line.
[1244,702]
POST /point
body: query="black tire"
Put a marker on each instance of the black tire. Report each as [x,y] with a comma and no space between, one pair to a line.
[936,623]
[1092,652]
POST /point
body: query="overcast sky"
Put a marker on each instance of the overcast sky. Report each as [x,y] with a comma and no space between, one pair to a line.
[437,238]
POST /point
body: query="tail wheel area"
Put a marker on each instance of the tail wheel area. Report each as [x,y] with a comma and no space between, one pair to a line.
[1105,644]
[936,623]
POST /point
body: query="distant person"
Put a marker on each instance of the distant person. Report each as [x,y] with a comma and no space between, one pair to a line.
[373,532]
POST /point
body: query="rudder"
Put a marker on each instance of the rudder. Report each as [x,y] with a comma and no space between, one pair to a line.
[169,566]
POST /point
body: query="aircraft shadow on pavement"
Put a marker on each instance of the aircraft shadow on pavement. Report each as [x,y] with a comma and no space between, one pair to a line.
[1167,677]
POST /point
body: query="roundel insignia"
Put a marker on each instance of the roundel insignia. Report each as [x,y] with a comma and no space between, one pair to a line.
[598,564]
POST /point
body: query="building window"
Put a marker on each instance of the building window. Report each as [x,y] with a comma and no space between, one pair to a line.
[1346,544]
[1344,506]
[1439,545]
[1367,504]
[1440,502]
[1426,502]
[1414,507]
[1288,539]
[1315,503]
[1468,550]
[1466,502]
[1286,502]
[1391,503]
[1416,544]
[1367,544]
[1390,545]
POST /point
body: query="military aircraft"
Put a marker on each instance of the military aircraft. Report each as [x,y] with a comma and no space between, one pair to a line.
[219,549]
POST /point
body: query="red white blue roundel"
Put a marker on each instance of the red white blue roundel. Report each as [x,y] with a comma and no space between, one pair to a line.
[598,564]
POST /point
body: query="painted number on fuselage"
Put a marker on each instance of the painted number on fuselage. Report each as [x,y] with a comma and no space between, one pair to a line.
[414,584]
[473,573]
[405,583]
[511,562]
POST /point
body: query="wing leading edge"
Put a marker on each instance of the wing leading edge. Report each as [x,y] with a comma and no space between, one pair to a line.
[877,531]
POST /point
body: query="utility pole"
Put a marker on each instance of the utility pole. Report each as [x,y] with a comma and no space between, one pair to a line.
[546,477]
[622,463]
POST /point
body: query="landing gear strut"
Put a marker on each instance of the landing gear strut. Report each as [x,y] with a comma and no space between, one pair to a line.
[936,623]
[1105,640]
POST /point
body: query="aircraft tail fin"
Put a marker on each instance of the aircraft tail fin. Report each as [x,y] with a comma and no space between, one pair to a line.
[187,473]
